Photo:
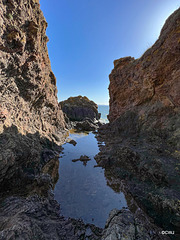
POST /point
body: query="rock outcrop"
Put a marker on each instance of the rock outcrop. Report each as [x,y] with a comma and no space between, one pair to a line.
[79,108]
[143,136]
[37,217]
[28,93]
[123,224]
[149,85]
[28,85]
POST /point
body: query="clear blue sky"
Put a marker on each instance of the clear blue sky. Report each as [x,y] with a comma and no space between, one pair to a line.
[86,36]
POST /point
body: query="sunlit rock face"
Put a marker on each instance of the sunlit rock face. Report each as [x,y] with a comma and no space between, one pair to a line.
[149,86]
[28,85]
[28,93]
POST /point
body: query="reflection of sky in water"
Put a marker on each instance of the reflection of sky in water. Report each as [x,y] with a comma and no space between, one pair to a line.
[82,190]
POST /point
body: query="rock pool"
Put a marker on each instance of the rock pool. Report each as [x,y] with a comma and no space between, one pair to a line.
[82,190]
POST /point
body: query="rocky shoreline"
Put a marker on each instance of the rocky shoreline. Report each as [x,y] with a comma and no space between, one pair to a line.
[38,217]
[29,211]
[32,130]
[151,201]
[141,151]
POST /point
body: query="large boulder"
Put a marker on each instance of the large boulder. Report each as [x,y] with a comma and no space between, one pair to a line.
[78,108]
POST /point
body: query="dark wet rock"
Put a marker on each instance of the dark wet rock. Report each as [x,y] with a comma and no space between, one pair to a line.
[78,108]
[73,142]
[37,217]
[29,211]
[123,224]
[150,175]
[25,156]
[86,125]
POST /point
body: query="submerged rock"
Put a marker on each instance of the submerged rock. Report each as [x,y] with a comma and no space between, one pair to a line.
[71,141]
[83,158]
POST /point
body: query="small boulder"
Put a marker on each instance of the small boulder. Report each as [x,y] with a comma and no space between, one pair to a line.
[73,142]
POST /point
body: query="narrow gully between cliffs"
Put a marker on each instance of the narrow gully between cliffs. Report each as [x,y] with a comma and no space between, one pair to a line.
[82,189]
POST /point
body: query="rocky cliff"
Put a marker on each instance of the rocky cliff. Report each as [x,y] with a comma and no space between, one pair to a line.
[150,85]
[142,139]
[78,108]
[28,85]
[29,108]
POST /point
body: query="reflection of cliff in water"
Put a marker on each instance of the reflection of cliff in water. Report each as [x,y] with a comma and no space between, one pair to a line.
[51,168]
[119,185]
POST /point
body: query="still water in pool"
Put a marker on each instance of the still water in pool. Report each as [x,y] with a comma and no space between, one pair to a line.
[82,189]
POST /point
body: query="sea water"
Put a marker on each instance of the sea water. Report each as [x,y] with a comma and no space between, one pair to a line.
[82,189]
[104,110]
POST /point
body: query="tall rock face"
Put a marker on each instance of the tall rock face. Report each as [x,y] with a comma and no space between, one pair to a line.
[28,85]
[149,86]
[142,140]
[28,93]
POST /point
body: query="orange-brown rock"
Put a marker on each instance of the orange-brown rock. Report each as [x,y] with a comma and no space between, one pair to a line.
[28,93]
[30,117]
[150,84]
